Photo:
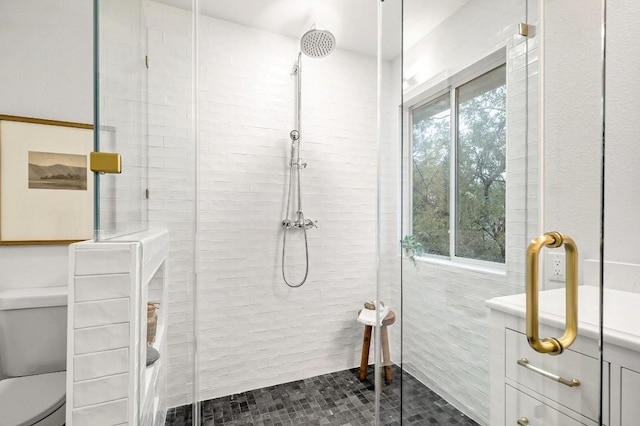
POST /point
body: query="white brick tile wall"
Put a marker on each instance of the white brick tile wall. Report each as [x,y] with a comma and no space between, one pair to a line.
[102,312]
[107,414]
[247,316]
[99,364]
[95,262]
[96,339]
[256,331]
[172,180]
[89,392]
[102,287]
[123,94]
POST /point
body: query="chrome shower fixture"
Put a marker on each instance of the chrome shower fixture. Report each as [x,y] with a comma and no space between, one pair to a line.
[314,43]
[317,43]
[300,222]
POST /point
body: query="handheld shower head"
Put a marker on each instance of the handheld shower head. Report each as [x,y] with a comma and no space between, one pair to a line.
[317,43]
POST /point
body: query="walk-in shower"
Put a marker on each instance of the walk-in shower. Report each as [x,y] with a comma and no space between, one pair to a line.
[315,43]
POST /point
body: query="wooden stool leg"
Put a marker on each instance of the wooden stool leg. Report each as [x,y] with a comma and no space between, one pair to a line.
[386,355]
[364,361]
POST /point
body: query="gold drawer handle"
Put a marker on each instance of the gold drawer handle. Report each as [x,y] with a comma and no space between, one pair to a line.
[552,345]
[571,383]
[523,421]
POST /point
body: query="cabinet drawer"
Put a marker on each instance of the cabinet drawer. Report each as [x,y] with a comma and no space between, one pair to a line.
[583,399]
[629,409]
[520,405]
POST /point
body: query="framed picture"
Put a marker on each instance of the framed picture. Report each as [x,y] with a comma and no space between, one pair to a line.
[46,188]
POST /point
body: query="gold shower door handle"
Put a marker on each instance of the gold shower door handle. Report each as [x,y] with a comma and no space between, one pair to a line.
[552,345]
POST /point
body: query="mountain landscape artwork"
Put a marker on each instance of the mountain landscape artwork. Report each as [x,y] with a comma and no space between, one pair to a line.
[48,170]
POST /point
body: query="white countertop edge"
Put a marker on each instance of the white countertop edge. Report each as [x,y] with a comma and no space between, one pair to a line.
[621,318]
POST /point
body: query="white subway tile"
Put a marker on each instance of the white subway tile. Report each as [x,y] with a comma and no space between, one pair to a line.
[98,287]
[103,312]
[96,339]
[102,261]
[100,364]
[97,391]
[107,414]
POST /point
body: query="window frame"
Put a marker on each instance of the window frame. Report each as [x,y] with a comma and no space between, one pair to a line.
[423,94]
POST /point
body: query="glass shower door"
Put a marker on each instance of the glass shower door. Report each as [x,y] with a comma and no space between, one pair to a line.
[144,109]
[501,198]
[121,117]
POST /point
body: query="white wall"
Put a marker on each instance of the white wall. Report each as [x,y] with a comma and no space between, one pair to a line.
[45,72]
[573,123]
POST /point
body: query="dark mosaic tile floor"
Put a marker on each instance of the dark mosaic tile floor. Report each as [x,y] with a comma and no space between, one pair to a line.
[336,399]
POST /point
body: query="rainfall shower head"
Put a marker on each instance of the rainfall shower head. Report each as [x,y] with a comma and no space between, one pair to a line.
[317,43]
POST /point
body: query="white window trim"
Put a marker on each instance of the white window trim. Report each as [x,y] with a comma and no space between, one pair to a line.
[415,98]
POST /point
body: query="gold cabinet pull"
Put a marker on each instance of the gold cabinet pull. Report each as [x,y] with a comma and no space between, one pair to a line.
[567,382]
[523,421]
[552,345]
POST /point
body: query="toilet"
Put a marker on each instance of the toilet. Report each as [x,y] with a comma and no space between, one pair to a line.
[33,351]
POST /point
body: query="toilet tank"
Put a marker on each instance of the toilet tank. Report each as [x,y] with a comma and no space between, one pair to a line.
[33,331]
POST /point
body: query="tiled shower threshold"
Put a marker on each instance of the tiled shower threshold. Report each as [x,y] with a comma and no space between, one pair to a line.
[335,399]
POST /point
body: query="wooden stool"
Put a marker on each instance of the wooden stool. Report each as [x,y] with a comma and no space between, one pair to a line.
[386,356]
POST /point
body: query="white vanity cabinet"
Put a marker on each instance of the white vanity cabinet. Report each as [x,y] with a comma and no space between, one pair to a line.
[629,392]
[522,396]
[625,380]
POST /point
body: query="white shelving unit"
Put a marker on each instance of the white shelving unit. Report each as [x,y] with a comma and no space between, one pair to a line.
[108,382]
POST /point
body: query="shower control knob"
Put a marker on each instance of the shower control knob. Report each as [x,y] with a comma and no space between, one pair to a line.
[294,135]
[286,224]
[308,223]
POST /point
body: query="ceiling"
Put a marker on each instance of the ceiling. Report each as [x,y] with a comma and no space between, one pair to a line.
[353,22]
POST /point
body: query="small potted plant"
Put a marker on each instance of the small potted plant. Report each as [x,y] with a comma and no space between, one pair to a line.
[411,247]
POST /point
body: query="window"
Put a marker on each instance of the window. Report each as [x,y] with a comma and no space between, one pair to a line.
[458,142]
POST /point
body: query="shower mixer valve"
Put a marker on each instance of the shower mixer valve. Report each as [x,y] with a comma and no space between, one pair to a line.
[299,164]
[299,223]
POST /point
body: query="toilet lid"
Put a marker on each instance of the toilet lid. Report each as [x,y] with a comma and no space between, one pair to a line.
[25,400]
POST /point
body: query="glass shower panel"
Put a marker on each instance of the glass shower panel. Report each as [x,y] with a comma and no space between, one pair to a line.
[522,157]
[388,375]
[121,116]
[145,112]
[620,268]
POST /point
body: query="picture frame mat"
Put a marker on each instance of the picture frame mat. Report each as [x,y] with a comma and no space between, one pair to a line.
[42,215]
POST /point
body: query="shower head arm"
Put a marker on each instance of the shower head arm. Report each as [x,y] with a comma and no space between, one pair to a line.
[299,97]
